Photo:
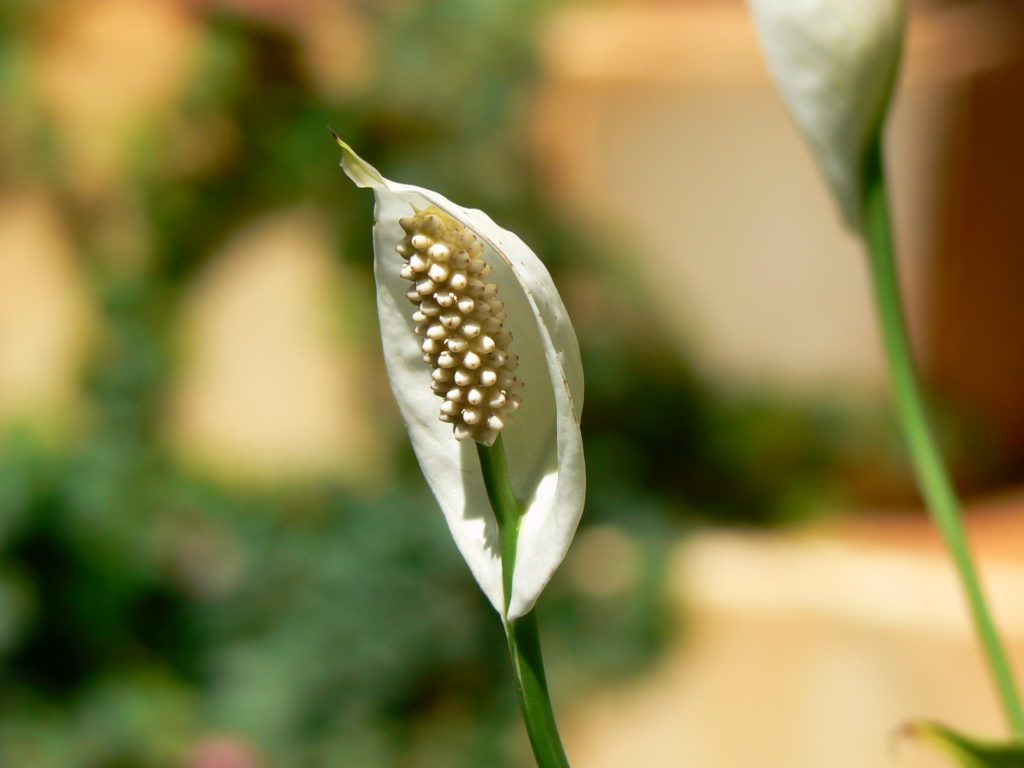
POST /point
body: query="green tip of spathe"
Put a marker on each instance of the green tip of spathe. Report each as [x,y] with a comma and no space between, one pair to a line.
[357,169]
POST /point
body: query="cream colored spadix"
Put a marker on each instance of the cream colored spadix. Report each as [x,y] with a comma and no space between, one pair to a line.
[451,363]
[835,62]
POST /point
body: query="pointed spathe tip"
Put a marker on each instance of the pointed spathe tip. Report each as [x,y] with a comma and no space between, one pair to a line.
[361,172]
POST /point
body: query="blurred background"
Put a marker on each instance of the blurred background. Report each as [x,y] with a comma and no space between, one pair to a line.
[216,550]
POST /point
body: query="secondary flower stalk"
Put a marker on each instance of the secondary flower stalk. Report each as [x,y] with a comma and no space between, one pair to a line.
[835,62]
[929,468]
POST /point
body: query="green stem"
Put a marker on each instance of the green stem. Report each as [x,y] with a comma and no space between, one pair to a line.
[927,461]
[523,636]
[504,504]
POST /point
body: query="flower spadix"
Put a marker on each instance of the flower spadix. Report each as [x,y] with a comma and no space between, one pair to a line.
[477,343]
[835,62]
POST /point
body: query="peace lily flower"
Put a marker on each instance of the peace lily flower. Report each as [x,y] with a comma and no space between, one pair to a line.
[477,343]
[835,62]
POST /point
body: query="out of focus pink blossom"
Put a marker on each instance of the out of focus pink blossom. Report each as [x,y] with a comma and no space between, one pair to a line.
[225,752]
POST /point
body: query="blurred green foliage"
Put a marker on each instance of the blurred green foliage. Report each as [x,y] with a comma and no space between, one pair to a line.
[143,609]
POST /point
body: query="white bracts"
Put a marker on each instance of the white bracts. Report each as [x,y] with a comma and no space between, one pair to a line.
[485,321]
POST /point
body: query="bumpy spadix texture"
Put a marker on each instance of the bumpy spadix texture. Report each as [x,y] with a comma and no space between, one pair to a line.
[835,62]
[462,323]
[542,442]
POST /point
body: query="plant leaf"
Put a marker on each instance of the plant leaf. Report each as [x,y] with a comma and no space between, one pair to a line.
[968,751]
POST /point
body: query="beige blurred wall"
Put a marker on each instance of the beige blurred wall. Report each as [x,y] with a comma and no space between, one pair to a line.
[659,123]
[812,649]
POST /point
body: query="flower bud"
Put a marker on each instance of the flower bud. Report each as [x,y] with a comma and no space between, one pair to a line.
[835,62]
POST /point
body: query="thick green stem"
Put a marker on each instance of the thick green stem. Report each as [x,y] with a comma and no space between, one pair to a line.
[523,637]
[532,687]
[928,466]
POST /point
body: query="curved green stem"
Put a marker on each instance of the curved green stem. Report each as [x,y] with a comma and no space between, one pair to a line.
[927,461]
[532,687]
[523,636]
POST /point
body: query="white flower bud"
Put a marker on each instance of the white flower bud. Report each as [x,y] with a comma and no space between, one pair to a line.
[835,62]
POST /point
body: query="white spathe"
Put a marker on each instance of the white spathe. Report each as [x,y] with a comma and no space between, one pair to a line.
[543,443]
[835,62]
